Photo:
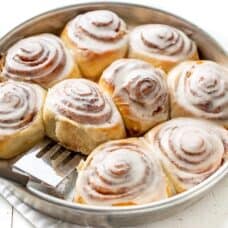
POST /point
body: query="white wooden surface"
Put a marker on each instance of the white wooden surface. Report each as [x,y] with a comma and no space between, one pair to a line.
[211,211]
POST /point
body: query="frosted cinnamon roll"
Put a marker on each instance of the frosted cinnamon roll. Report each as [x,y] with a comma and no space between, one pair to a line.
[121,173]
[80,116]
[190,149]
[42,59]
[199,88]
[97,38]
[139,91]
[161,45]
[21,124]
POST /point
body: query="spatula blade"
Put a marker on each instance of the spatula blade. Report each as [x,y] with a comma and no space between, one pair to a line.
[48,163]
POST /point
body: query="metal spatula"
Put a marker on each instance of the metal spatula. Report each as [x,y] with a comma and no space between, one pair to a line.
[47,163]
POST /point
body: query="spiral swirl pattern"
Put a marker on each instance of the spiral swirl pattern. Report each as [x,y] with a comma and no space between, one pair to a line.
[19,104]
[80,100]
[201,87]
[139,88]
[162,41]
[99,30]
[121,172]
[190,149]
[41,59]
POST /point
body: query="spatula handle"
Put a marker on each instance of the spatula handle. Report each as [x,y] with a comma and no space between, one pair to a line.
[7,173]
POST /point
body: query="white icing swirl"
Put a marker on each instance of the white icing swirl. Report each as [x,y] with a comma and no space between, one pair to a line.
[162,41]
[190,149]
[99,31]
[139,88]
[81,100]
[201,87]
[19,104]
[120,173]
[41,59]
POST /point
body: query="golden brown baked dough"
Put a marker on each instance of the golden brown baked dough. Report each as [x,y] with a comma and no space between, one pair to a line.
[42,59]
[161,45]
[190,149]
[97,38]
[139,91]
[199,88]
[21,124]
[121,173]
[80,116]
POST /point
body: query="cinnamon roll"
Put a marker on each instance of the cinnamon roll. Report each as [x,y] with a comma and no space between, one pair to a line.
[189,149]
[121,173]
[97,38]
[139,91]
[199,88]
[41,59]
[161,45]
[80,116]
[20,117]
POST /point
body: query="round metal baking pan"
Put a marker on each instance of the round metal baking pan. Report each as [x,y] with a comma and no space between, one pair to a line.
[54,21]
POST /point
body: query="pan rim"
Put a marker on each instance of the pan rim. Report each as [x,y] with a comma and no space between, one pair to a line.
[154,206]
